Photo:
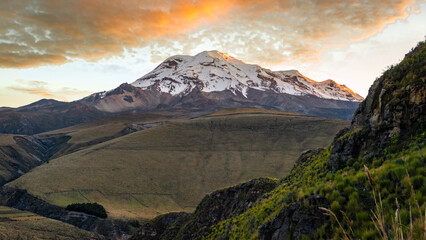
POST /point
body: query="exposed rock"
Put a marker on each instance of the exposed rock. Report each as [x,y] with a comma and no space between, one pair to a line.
[215,207]
[26,153]
[394,110]
[150,99]
[223,204]
[165,226]
[300,218]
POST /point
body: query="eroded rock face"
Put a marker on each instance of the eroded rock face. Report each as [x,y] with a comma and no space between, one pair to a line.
[27,152]
[223,204]
[394,110]
[215,207]
[299,219]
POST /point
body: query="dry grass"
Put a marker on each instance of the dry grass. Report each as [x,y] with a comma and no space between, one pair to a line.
[171,167]
[17,224]
[331,213]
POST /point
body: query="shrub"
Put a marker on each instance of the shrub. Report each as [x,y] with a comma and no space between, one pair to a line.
[335,206]
[417,182]
[89,208]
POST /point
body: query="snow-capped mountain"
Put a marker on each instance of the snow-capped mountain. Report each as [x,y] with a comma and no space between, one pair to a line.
[212,80]
[213,71]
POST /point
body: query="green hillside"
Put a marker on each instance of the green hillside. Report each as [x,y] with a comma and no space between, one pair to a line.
[172,166]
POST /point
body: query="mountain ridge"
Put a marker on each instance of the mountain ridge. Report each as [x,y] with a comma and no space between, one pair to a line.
[211,81]
[216,71]
[204,83]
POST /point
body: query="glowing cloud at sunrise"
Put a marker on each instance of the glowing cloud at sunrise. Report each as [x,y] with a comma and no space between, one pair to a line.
[68,49]
[43,32]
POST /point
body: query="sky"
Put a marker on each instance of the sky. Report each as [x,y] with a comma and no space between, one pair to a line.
[68,49]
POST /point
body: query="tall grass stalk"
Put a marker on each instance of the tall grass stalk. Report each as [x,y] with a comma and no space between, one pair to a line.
[378,215]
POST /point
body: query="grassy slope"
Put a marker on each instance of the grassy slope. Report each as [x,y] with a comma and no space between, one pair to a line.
[83,135]
[348,190]
[94,132]
[15,224]
[171,167]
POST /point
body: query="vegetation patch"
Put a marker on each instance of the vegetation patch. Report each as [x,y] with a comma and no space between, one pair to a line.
[89,208]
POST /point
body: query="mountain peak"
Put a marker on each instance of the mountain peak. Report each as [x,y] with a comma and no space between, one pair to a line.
[43,103]
[216,54]
[215,71]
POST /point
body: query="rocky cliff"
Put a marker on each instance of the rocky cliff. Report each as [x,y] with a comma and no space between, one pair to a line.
[299,219]
[394,110]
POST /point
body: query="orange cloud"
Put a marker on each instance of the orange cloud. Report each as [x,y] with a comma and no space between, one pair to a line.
[41,32]
[41,88]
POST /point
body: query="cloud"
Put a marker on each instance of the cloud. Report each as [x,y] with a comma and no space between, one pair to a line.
[41,88]
[36,88]
[42,32]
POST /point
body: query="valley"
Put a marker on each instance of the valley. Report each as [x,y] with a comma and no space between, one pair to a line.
[170,167]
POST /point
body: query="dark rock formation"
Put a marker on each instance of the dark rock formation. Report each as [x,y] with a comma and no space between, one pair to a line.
[215,207]
[165,226]
[394,110]
[128,98]
[223,204]
[300,218]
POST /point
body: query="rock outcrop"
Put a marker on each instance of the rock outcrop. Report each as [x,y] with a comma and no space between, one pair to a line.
[394,110]
[165,226]
[215,207]
[299,219]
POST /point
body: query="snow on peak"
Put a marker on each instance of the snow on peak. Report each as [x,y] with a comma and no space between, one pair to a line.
[216,71]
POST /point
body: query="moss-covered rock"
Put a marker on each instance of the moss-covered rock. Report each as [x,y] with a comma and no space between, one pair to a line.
[299,219]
